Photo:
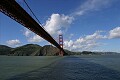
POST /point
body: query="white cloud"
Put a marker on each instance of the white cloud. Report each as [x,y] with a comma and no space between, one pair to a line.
[57,23]
[27,32]
[35,39]
[90,42]
[68,43]
[32,37]
[15,42]
[91,5]
[96,35]
[85,43]
[115,33]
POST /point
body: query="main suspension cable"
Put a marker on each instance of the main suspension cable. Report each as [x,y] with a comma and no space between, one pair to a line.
[35,16]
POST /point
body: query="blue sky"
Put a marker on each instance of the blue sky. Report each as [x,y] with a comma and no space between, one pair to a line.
[92,25]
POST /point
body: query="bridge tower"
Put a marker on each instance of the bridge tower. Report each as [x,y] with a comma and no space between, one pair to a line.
[61,44]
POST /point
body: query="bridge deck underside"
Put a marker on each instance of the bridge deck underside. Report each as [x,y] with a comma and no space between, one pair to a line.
[12,9]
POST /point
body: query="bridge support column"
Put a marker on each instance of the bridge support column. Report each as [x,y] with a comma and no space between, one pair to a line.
[61,44]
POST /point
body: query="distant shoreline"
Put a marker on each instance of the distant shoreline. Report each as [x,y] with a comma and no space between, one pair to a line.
[47,50]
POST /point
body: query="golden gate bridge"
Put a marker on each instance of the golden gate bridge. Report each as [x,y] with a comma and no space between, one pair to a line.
[13,10]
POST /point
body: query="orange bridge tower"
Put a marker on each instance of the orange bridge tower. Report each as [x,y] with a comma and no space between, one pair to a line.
[61,44]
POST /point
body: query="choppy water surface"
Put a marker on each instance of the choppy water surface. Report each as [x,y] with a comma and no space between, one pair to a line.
[76,68]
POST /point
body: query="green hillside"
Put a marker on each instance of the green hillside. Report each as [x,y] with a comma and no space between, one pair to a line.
[26,50]
[5,50]
[49,50]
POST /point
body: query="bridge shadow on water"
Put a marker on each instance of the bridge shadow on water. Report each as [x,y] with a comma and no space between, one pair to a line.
[70,68]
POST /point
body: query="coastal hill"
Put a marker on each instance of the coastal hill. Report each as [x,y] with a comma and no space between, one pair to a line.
[26,50]
[5,50]
[29,50]
[37,50]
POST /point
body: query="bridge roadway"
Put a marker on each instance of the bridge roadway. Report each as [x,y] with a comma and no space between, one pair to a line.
[71,68]
[12,9]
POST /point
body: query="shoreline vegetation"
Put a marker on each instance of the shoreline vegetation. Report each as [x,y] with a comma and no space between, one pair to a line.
[47,50]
